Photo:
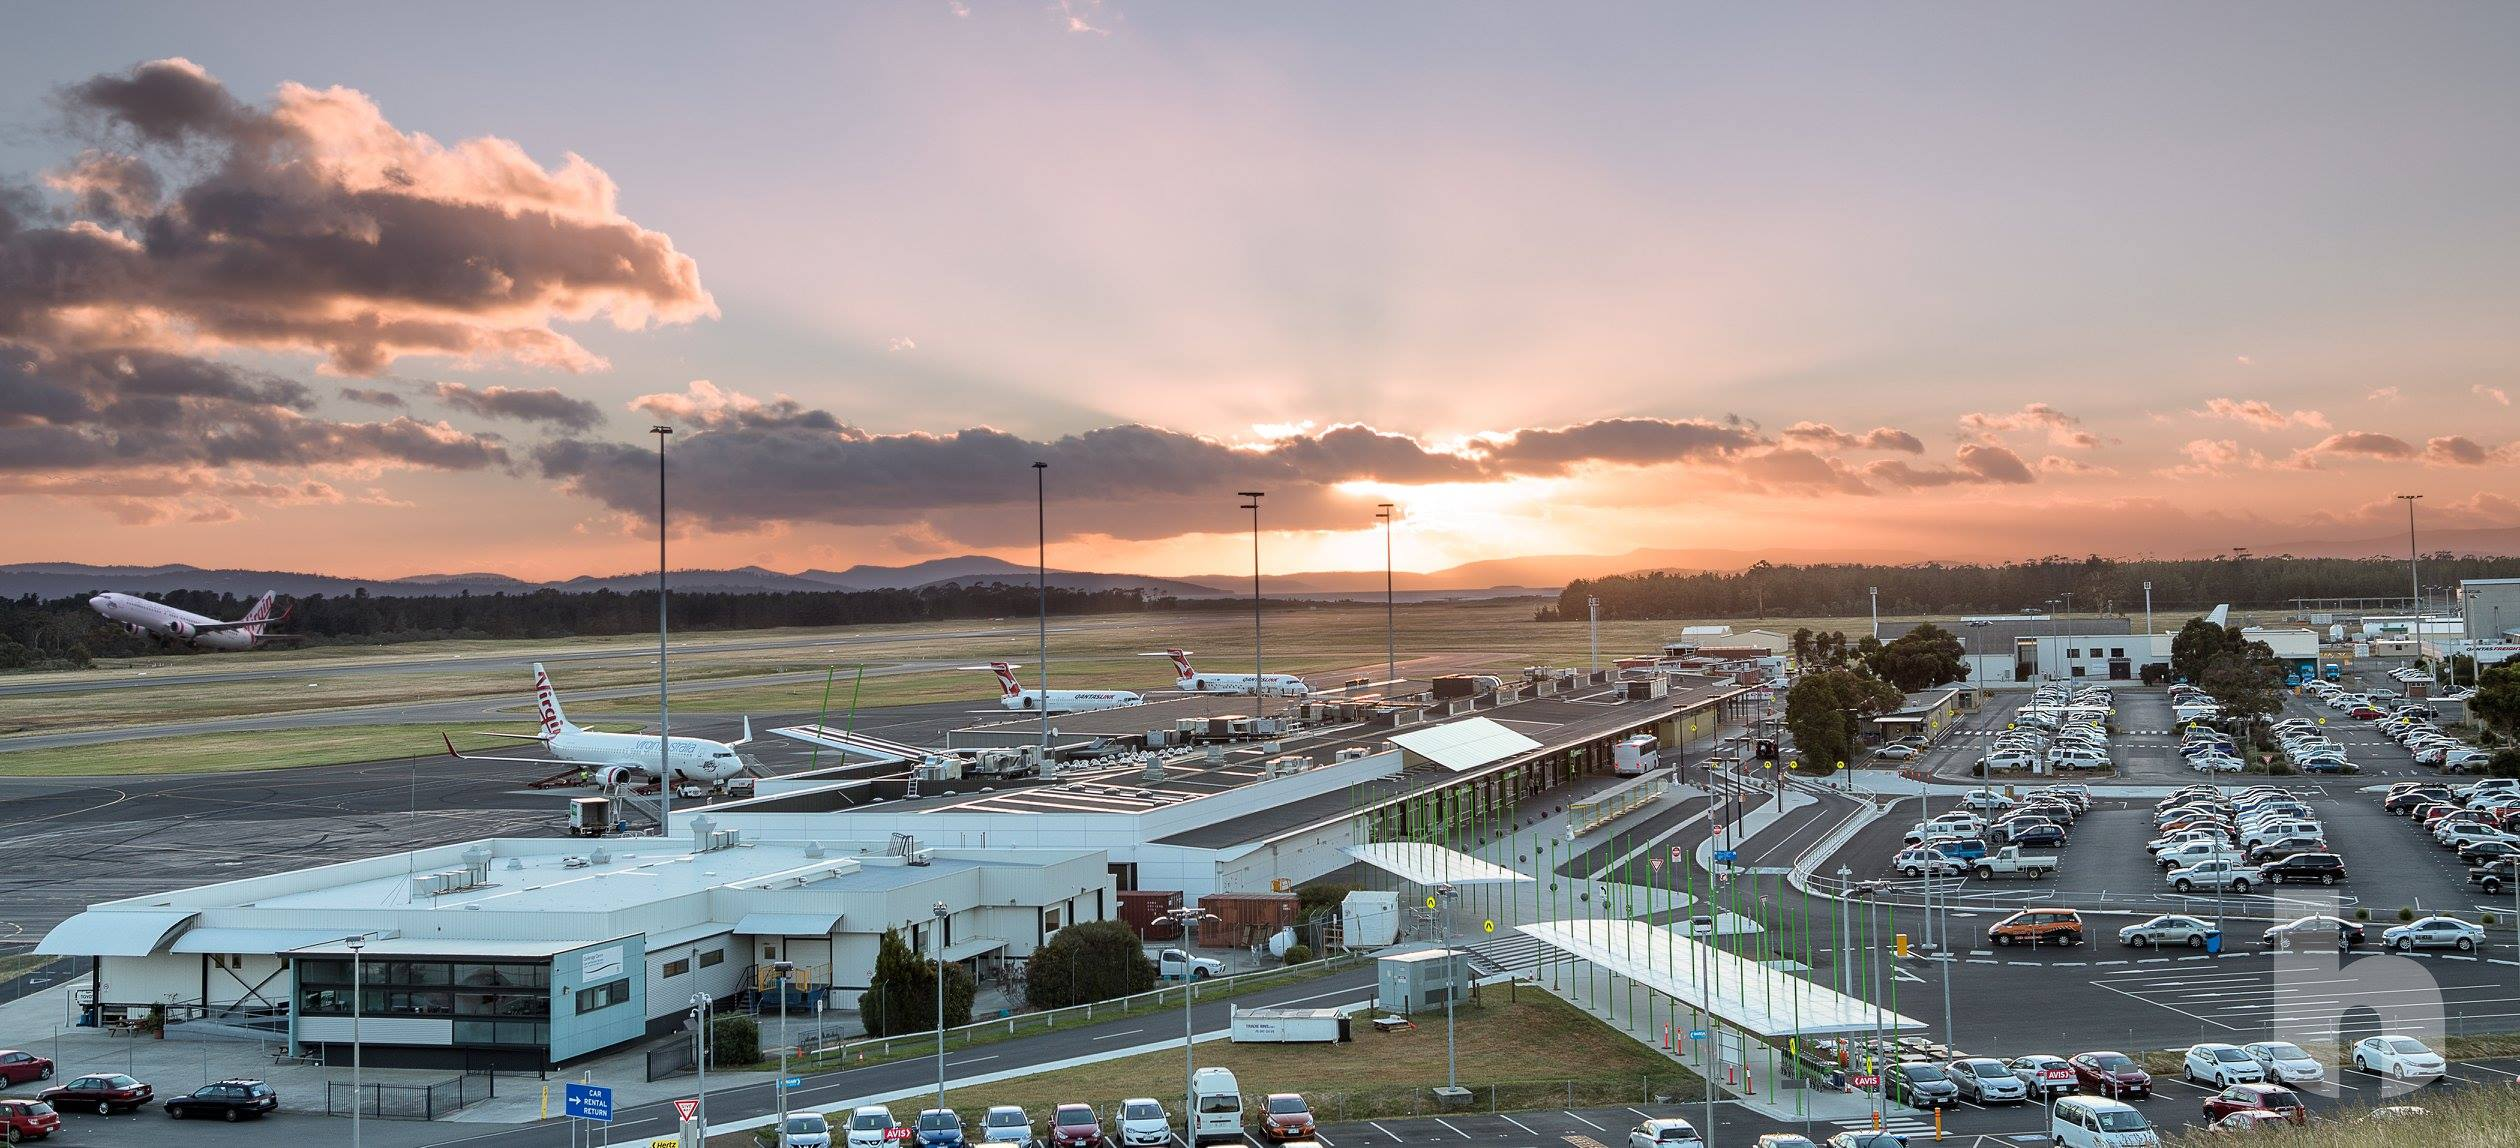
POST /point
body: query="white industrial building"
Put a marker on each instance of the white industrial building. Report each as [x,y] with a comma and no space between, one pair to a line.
[535,952]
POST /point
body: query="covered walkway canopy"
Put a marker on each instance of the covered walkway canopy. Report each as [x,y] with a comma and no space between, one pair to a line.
[1464,745]
[1426,863]
[1764,1002]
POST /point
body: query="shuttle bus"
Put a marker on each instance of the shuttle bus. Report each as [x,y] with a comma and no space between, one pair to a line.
[1635,757]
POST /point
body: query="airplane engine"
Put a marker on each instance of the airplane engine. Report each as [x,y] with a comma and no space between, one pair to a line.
[181,630]
[617,775]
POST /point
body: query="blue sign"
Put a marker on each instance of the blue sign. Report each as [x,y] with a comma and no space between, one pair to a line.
[1697,1034]
[588,1102]
[793,1082]
[1725,855]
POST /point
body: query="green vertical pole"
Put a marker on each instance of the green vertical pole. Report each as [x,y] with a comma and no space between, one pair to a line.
[854,688]
[823,719]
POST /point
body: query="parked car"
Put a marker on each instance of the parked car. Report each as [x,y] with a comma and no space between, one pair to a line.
[1074,1126]
[2434,933]
[2045,1077]
[98,1092]
[868,1125]
[2403,1057]
[2038,926]
[940,1128]
[1895,752]
[1664,1132]
[2220,1064]
[2040,834]
[18,1067]
[2492,877]
[1986,1080]
[2169,929]
[2215,875]
[27,1120]
[2283,1062]
[2322,868]
[2313,931]
[2113,1074]
[1174,964]
[1285,1116]
[234,1100]
[1143,1121]
[1007,1124]
[2270,1098]
[1919,1084]
[1925,860]
[805,1130]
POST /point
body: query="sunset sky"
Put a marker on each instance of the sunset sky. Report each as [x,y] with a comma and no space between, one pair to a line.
[391,290]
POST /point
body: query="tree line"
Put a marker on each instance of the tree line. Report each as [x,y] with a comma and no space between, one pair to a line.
[63,633]
[2096,583]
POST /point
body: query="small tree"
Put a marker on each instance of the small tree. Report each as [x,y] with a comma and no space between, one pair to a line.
[1094,961]
[902,997]
[734,1040]
[1921,659]
[1298,954]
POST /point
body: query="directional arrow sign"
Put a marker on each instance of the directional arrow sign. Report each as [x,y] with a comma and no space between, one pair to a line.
[1697,1034]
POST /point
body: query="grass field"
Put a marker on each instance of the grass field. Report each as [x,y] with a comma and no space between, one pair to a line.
[226,752]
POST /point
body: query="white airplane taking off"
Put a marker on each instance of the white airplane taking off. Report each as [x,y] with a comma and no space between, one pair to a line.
[1012,695]
[1274,685]
[159,620]
[618,758]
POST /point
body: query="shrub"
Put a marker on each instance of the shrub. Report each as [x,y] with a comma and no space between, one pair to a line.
[734,1040]
[2362,914]
[2405,914]
[1298,954]
[1094,961]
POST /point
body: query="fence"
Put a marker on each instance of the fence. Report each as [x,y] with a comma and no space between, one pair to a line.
[1954,893]
[1019,1024]
[395,1101]
[1601,809]
[41,976]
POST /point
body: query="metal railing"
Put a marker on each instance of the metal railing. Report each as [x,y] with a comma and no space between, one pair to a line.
[1955,893]
[409,1101]
[1018,1024]
[1584,816]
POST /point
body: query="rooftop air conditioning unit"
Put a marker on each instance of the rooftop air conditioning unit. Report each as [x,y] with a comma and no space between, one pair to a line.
[923,857]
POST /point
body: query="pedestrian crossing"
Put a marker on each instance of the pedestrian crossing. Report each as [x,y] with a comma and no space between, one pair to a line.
[1903,1125]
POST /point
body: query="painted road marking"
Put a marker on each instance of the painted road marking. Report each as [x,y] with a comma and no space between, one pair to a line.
[1586,1123]
[1131,1032]
[1517,1124]
[1455,1131]
[1383,1130]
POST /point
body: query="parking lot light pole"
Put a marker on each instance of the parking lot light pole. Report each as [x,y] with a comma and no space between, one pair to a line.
[358,993]
[703,1014]
[938,909]
[1445,895]
[1391,618]
[783,968]
[1259,686]
[664,722]
[1186,917]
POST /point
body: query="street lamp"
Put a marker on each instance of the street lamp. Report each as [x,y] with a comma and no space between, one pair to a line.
[1391,620]
[358,993]
[783,968]
[2414,585]
[1259,687]
[1445,895]
[940,911]
[664,726]
[1041,571]
[703,1015]
[1185,917]
[1874,592]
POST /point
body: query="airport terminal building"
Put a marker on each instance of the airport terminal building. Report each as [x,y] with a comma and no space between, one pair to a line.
[526,953]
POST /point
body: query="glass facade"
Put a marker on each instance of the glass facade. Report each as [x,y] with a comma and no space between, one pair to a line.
[491,1002]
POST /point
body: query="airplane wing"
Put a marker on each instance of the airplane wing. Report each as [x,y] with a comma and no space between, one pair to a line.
[215,627]
[453,752]
[518,736]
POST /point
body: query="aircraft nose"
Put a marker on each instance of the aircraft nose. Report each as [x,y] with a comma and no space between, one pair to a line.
[98,602]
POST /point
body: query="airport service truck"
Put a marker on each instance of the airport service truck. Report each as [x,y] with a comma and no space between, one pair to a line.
[590,816]
[2010,861]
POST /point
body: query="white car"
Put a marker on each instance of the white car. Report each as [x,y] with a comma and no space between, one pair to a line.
[805,1130]
[2434,933]
[2221,1065]
[1926,860]
[1896,752]
[2403,1057]
[2195,853]
[868,1125]
[2217,763]
[2283,1062]
[1174,964]
[2216,874]
[1989,800]
[1143,1122]
[1927,832]
[2168,929]
[1665,1132]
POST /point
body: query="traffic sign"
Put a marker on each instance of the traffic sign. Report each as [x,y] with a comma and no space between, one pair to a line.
[1697,1034]
[1675,854]
[793,1082]
[588,1102]
[1725,855]
[1430,902]
[687,1108]
[1656,862]
[1488,926]
[1866,1080]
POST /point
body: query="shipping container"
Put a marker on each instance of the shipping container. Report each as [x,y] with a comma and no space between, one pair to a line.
[1143,911]
[1241,920]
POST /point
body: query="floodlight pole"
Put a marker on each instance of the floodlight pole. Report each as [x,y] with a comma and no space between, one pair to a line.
[1186,917]
[1445,895]
[1259,681]
[1041,572]
[1874,592]
[1391,617]
[703,1014]
[358,993]
[664,725]
[2414,585]
[938,909]
[2148,609]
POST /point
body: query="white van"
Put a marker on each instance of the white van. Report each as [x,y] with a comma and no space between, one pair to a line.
[2099,1122]
[1217,1100]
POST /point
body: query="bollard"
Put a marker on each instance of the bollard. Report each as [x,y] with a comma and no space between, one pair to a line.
[1938,1124]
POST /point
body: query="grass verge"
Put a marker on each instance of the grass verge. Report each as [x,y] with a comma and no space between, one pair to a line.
[260,749]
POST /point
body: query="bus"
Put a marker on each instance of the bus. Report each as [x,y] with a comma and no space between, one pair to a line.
[1635,757]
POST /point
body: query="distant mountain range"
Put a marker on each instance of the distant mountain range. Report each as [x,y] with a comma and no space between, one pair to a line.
[2490,542]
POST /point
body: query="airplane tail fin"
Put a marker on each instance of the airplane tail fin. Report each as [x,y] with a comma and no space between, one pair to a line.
[547,700]
[1007,685]
[1181,663]
[747,738]
[262,609]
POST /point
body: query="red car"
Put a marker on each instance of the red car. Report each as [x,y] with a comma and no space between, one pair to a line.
[98,1092]
[27,1120]
[20,1067]
[1285,1116]
[1076,1126]
[2271,1098]
[2111,1074]
[2365,713]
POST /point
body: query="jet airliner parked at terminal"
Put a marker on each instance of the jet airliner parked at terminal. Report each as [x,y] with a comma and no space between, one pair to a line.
[166,623]
[618,758]
[1013,695]
[1274,685]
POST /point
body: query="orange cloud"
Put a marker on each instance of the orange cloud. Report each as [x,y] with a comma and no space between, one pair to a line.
[2260,414]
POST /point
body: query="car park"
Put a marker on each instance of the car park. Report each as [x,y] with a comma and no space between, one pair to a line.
[2402,1057]
[2276,1099]
[98,1092]
[1007,1124]
[21,1067]
[22,1120]
[2169,929]
[233,1100]
[2112,1074]
[1664,1132]
[1986,1080]
[2434,932]
[2220,1065]
[2045,1077]
[1285,1116]
[2283,1062]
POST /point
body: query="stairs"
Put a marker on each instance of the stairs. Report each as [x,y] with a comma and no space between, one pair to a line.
[1513,953]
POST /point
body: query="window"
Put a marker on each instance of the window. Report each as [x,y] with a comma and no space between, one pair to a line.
[712,958]
[2117,651]
[677,968]
[769,952]
[2073,653]
[1050,919]
[603,996]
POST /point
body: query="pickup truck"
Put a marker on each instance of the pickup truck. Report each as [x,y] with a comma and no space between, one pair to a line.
[2010,861]
[2494,878]
[1175,964]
